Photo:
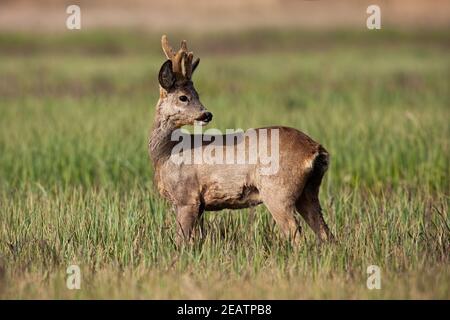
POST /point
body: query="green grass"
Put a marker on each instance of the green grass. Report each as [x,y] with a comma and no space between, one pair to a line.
[76,182]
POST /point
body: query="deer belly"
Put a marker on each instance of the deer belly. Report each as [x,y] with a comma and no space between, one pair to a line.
[229,195]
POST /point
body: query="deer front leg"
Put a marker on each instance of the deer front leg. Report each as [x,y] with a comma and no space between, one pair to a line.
[187,216]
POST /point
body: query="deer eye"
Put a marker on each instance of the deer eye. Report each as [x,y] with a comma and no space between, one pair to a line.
[183,98]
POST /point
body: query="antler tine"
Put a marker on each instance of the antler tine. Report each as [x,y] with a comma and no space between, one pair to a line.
[186,60]
[177,61]
[188,65]
[166,47]
[183,45]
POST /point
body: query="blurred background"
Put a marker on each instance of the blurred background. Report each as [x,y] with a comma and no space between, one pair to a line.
[207,15]
[76,107]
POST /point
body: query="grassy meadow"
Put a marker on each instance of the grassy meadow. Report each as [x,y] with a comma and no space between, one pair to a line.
[76,182]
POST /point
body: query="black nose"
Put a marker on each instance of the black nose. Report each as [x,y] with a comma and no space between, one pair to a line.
[208,116]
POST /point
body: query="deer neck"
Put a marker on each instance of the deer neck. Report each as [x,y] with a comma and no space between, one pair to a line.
[160,143]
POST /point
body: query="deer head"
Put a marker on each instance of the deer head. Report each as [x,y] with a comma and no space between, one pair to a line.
[179,103]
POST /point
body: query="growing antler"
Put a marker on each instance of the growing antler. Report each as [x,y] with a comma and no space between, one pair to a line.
[182,64]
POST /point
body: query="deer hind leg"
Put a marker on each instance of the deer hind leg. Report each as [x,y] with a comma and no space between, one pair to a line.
[308,206]
[284,213]
[187,217]
[199,230]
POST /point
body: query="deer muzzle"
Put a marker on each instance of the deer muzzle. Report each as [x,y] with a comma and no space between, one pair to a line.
[205,118]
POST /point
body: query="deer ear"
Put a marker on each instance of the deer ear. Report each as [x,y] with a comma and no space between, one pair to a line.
[166,76]
[195,64]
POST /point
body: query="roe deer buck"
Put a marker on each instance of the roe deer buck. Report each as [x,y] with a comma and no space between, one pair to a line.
[194,188]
